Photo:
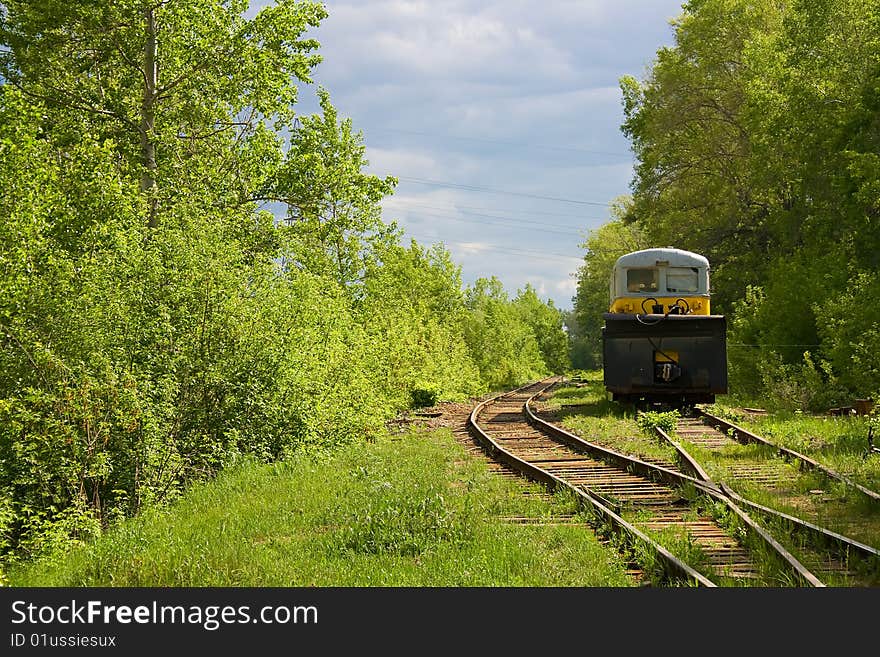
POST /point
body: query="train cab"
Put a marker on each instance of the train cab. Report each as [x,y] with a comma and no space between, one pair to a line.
[660,342]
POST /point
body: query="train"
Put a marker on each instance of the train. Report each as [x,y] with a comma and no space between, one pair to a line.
[661,344]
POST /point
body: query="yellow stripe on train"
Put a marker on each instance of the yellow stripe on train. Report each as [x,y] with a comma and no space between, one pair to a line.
[645,305]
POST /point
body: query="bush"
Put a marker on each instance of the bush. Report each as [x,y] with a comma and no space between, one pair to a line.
[807,386]
[651,420]
[423,397]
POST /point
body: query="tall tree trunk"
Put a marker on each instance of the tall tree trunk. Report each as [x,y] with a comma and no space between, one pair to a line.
[148,119]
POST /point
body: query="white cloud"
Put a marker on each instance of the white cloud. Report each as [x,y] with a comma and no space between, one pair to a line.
[566,286]
[385,162]
[445,41]
[471,248]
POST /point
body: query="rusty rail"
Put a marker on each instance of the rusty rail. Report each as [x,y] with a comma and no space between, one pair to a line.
[844,546]
[611,474]
[702,482]
[675,568]
[745,436]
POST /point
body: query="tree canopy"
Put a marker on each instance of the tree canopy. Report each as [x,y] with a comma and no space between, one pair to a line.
[756,136]
[191,271]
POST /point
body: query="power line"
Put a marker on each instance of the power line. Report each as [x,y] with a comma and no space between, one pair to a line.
[491,223]
[456,206]
[511,251]
[494,223]
[504,142]
[489,190]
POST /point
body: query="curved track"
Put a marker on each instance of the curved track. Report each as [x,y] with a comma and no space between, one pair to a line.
[646,503]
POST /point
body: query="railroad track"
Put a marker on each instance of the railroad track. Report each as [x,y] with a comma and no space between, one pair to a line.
[755,469]
[764,467]
[648,506]
[719,433]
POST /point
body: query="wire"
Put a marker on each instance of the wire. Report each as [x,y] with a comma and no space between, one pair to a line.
[493,223]
[520,252]
[498,141]
[456,206]
[489,190]
[494,216]
[646,299]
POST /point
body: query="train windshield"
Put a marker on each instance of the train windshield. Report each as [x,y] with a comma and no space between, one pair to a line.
[682,279]
[642,280]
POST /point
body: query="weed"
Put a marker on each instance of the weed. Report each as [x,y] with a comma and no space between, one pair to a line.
[648,421]
[424,396]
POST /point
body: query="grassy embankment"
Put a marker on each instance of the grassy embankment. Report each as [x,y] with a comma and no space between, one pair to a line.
[412,510]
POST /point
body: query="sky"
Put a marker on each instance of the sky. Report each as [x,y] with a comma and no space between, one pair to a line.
[500,118]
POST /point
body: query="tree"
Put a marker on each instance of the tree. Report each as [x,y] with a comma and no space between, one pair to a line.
[695,178]
[501,343]
[134,138]
[412,308]
[756,135]
[545,320]
[604,246]
[333,207]
[181,88]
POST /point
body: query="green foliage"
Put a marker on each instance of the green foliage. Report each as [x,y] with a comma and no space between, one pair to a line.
[413,311]
[157,322]
[850,332]
[806,386]
[693,187]
[648,421]
[201,122]
[503,345]
[423,396]
[756,135]
[772,356]
[333,207]
[545,322]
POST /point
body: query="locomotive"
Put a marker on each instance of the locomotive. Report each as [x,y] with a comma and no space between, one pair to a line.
[660,343]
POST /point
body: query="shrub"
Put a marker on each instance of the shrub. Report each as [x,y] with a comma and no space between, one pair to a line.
[424,396]
[650,420]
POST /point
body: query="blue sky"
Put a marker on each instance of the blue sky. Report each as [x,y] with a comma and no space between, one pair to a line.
[501,118]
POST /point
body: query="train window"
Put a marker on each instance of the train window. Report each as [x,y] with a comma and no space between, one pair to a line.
[682,279]
[642,280]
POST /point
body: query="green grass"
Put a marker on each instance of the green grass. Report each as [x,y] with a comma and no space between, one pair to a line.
[804,494]
[584,410]
[837,442]
[413,510]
